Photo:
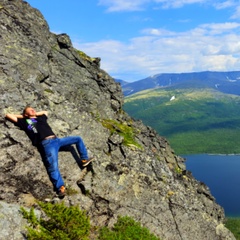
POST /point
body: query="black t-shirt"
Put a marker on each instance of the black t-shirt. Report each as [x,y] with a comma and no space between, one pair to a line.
[36,128]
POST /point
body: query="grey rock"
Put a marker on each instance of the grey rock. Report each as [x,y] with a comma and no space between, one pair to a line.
[64,41]
[11,222]
[143,179]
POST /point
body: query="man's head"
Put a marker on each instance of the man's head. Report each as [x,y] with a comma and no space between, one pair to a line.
[29,112]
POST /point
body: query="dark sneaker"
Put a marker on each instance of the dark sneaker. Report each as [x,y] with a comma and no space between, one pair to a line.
[85,162]
[61,192]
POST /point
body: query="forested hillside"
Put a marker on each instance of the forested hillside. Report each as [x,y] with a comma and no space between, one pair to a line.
[194,120]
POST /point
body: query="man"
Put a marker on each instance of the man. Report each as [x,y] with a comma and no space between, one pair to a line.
[40,133]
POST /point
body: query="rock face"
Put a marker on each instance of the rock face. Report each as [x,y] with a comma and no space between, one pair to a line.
[135,171]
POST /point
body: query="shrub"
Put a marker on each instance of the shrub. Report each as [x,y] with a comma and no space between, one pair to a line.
[70,223]
[126,229]
[60,222]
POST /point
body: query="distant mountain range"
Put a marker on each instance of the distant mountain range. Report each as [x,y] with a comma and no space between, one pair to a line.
[226,82]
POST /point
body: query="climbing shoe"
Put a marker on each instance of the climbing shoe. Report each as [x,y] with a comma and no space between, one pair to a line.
[85,162]
[61,192]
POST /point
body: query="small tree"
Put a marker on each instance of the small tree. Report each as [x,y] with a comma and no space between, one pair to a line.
[60,222]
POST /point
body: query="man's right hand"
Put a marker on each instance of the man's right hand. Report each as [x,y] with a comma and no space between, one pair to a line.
[13,117]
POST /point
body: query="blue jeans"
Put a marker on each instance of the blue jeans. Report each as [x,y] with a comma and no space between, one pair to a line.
[51,148]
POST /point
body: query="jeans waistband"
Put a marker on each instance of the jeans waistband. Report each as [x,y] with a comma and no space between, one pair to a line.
[50,137]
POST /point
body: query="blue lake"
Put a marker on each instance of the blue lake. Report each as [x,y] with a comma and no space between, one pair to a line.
[221,173]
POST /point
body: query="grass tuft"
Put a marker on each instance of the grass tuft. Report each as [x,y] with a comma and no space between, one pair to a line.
[124,130]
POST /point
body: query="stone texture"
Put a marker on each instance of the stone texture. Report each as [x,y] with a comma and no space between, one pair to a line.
[146,181]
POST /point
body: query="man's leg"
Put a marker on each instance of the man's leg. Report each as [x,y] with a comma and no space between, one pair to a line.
[51,148]
[79,145]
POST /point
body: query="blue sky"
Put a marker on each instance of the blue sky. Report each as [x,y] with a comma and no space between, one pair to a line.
[136,39]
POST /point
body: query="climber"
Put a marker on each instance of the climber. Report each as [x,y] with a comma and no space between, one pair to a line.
[48,144]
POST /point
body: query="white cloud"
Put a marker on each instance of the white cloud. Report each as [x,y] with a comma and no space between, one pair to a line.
[234,4]
[225,4]
[136,5]
[160,51]
[219,28]
[236,14]
[123,5]
[207,47]
[177,3]
[157,32]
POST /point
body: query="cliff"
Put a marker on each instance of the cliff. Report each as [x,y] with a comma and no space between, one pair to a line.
[135,171]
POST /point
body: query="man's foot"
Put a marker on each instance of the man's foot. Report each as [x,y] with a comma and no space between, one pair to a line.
[61,192]
[85,162]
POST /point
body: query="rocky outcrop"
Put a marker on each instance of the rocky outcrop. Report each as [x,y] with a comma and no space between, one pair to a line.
[135,171]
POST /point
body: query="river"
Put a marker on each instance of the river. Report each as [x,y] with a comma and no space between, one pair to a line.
[221,173]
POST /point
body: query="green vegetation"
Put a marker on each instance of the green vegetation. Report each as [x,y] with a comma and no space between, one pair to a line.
[215,141]
[47,90]
[196,121]
[233,224]
[60,222]
[71,191]
[124,130]
[85,56]
[126,228]
[70,223]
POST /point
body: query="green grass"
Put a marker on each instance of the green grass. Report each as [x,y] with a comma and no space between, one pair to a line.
[69,223]
[233,224]
[126,228]
[203,121]
[123,129]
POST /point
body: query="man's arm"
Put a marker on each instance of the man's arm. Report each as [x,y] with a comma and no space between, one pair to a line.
[41,113]
[13,117]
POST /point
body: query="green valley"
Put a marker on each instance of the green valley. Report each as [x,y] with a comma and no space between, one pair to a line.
[194,120]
